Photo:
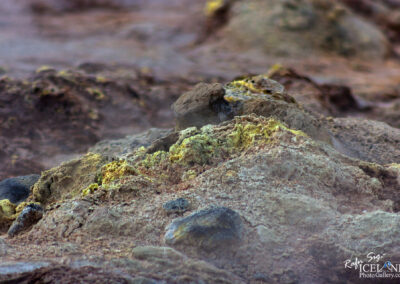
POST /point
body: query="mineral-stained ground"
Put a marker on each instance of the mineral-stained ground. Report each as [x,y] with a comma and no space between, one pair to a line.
[212,141]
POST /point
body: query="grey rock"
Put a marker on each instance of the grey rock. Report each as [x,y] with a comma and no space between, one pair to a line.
[217,227]
[29,216]
[17,189]
[179,205]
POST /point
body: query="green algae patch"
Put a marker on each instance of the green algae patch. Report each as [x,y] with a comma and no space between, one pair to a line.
[115,170]
[67,180]
[197,149]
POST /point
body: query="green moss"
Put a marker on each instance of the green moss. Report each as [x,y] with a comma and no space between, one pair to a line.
[197,149]
[115,170]
[90,189]
[152,160]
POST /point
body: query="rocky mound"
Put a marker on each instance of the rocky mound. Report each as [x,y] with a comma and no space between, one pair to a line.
[54,113]
[258,190]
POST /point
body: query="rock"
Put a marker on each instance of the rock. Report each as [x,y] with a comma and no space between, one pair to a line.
[304,27]
[17,189]
[151,252]
[326,99]
[163,143]
[179,205]
[200,106]
[368,140]
[68,179]
[212,228]
[29,216]
[252,95]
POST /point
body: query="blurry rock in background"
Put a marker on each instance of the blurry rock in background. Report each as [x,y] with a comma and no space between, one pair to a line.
[303,27]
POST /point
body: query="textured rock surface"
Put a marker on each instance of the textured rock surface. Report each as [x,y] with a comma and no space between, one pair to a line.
[27,218]
[200,106]
[367,140]
[179,205]
[252,95]
[298,206]
[66,179]
[213,228]
[17,189]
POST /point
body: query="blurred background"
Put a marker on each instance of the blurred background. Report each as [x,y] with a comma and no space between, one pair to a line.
[74,72]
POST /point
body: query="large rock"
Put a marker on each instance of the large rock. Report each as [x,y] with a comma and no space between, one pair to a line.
[304,27]
[207,229]
[214,103]
[200,106]
[67,180]
[17,189]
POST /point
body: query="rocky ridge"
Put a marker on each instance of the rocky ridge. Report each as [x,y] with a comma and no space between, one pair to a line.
[277,193]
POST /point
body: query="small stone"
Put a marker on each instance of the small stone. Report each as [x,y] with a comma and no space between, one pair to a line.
[179,205]
[17,189]
[152,252]
[207,229]
[29,216]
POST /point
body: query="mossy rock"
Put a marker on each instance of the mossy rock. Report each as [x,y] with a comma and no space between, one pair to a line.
[68,179]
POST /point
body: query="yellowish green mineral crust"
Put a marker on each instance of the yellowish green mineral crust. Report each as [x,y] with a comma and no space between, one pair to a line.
[115,170]
[90,189]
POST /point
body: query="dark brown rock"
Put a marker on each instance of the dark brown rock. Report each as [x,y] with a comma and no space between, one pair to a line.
[199,106]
